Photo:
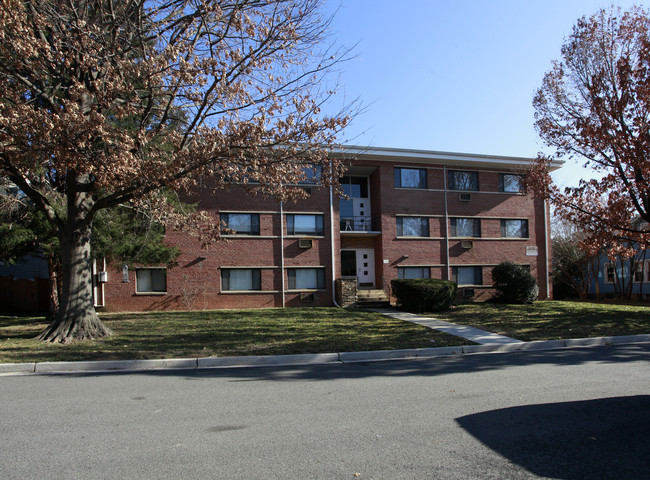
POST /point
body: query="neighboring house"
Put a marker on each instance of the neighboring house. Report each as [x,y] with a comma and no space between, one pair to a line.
[410,214]
[614,278]
[24,286]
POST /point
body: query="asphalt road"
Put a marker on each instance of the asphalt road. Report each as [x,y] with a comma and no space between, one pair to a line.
[568,414]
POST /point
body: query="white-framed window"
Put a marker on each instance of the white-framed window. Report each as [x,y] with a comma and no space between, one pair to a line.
[465,227]
[467,275]
[413,272]
[306,278]
[151,280]
[304,224]
[638,272]
[241,279]
[242,223]
[511,183]
[610,273]
[412,226]
[462,180]
[410,177]
[514,228]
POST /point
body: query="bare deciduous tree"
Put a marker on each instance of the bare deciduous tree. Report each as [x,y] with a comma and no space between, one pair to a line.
[105,102]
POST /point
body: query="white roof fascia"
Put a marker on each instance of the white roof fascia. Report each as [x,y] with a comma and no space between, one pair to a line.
[438,158]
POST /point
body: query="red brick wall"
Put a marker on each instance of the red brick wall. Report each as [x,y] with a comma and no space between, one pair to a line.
[196,279]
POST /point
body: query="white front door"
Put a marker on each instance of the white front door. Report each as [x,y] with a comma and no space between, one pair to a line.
[366,267]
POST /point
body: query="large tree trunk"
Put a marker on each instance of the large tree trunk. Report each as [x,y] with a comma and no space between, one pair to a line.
[76,318]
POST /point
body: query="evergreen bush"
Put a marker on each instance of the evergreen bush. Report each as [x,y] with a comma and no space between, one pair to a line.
[514,284]
[424,295]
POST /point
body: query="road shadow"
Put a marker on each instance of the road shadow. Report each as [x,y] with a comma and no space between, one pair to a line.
[592,439]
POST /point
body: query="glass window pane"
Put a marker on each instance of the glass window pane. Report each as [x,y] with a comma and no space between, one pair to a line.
[459,180]
[241,279]
[411,177]
[158,280]
[151,280]
[143,277]
[305,224]
[240,222]
[514,228]
[464,227]
[306,278]
[413,272]
[511,183]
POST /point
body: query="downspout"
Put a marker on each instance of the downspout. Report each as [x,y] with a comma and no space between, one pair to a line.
[282,251]
[332,247]
[444,179]
[546,252]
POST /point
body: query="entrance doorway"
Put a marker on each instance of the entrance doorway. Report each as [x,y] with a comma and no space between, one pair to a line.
[359,263]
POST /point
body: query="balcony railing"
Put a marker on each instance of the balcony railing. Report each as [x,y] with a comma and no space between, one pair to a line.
[360,224]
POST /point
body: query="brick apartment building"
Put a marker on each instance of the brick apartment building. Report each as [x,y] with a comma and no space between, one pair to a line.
[410,214]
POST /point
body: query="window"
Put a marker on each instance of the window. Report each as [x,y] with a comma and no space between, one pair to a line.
[413,272]
[465,227]
[304,224]
[459,180]
[306,278]
[242,223]
[241,279]
[514,228]
[638,272]
[410,177]
[511,183]
[151,280]
[467,275]
[355,186]
[610,273]
[412,227]
[312,174]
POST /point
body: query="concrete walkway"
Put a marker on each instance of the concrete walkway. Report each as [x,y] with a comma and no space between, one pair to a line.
[470,333]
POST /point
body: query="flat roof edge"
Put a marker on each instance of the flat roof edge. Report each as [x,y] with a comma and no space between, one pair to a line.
[432,156]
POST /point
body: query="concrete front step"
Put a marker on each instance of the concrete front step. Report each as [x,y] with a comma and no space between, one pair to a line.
[385,304]
[374,294]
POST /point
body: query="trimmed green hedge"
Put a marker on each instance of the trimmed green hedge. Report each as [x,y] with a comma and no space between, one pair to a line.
[514,284]
[424,295]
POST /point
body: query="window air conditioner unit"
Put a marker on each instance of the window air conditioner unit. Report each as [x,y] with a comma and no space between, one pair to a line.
[466,244]
[305,243]
[307,298]
[102,277]
[464,197]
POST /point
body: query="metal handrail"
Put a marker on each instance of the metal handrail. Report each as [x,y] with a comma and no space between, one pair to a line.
[359,223]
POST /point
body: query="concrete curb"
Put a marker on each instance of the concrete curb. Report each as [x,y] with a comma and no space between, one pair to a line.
[300,359]
[306,359]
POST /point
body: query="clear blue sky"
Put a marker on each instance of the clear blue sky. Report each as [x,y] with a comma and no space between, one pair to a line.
[455,75]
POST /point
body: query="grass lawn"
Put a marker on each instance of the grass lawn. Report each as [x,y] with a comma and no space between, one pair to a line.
[222,333]
[548,320]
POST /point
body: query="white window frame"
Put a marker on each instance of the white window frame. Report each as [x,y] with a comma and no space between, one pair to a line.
[320,278]
[401,271]
[252,271]
[502,182]
[453,225]
[523,224]
[139,282]
[421,220]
